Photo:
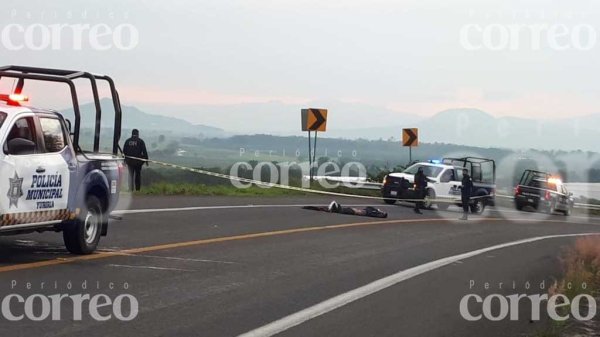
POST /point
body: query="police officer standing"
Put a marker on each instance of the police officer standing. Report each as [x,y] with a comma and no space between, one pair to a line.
[420,189]
[465,193]
[135,147]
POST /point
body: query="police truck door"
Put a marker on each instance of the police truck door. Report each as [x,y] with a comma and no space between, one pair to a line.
[449,184]
[21,156]
[50,185]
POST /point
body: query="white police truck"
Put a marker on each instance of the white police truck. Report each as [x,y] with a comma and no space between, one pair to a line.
[47,182]
[445,183]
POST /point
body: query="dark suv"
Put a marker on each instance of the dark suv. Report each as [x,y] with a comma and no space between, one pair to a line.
[543,192]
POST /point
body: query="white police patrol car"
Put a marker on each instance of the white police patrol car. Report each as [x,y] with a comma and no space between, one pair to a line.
[445,183]
[48,182]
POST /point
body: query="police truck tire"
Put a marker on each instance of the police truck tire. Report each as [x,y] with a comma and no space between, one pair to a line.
[478,206]
[83,235]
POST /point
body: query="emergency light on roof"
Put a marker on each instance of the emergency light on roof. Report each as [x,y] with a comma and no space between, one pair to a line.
[14,98]
[18,98]
[554,181]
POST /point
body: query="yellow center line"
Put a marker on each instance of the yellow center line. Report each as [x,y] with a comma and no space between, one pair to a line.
[129,252]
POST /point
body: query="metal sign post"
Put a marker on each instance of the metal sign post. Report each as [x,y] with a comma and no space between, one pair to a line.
[310,171]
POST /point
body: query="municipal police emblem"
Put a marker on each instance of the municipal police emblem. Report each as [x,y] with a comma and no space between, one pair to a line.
[15,190]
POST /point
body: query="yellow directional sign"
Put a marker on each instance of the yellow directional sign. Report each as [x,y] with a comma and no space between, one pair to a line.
[314,119]
[410,137]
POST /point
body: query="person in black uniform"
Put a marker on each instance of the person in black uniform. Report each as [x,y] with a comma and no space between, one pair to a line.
[420,189]
[135,147]
[465,193]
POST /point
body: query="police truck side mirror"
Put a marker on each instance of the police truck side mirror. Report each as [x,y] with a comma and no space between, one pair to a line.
[20,146]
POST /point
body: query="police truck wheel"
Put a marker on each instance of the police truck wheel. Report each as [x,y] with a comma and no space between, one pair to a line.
[83,236]
[478,206]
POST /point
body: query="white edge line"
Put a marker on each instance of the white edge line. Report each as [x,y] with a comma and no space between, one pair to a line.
[148,267]
[177,258]
[338,301]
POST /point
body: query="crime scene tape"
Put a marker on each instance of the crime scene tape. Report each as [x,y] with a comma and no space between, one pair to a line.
[292,188]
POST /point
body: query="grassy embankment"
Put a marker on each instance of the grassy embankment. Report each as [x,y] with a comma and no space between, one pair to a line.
[230,190]
[581,267]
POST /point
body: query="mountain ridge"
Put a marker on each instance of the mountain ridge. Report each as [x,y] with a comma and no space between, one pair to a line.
[461,126]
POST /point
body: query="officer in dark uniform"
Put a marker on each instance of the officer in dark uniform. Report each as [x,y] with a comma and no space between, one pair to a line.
[465,193]
[135,147]
[420,189]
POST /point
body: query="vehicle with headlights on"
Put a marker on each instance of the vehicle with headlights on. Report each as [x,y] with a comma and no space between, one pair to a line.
[543,192]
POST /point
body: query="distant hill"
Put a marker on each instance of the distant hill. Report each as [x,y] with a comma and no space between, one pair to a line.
[345,120]
[135,118]
[574,166]
[477,128]
[352,120]
[471,127]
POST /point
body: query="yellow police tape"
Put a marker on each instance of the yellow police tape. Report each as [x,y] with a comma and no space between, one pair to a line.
[293,188]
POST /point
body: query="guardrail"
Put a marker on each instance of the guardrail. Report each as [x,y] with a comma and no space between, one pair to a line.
[587,206]
[367,185]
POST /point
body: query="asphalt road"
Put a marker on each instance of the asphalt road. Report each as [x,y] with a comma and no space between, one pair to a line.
[220,266]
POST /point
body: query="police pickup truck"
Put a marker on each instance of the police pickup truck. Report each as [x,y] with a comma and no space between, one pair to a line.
[48,183]
[445,183]
[544,192]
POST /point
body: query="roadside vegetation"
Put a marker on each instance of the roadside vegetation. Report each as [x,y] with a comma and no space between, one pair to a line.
[581,267]
[213,190]
[227,189]
[167,181]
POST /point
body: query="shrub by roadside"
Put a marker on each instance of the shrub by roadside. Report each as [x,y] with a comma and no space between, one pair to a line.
[581,266]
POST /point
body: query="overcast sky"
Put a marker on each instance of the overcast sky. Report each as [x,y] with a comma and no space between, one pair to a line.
[407,56]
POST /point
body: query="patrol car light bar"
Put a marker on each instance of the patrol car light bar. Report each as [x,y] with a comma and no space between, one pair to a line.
[18,98]
[14,98]
[554,181]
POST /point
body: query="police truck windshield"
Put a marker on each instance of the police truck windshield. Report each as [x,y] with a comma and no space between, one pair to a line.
[2,118]
[430,171]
